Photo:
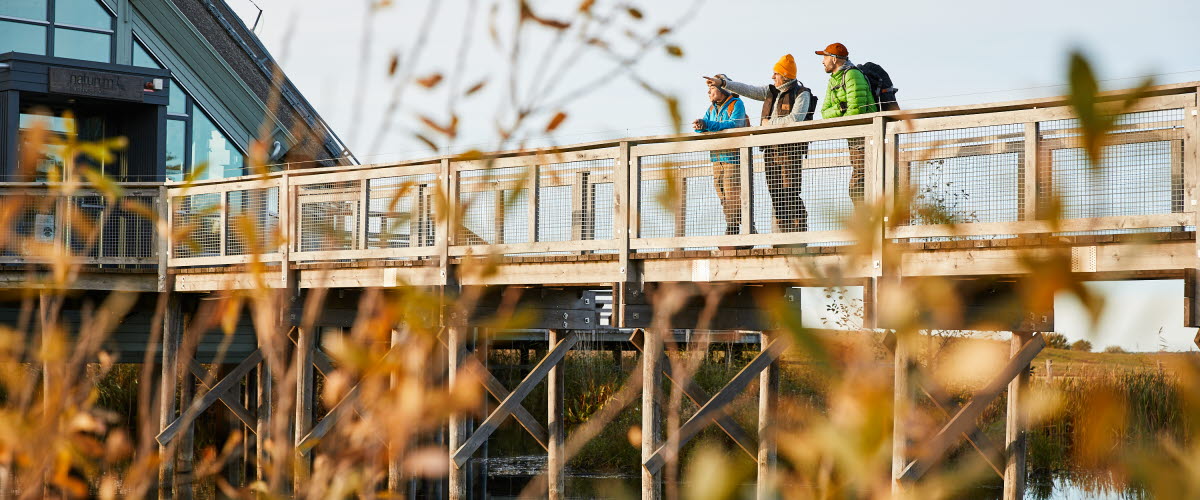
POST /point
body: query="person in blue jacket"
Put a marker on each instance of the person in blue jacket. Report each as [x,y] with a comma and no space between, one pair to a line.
[725,112]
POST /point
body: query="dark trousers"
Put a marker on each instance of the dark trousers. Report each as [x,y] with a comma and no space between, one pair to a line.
[784,182]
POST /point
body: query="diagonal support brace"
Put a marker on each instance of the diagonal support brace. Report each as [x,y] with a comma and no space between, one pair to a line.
[226,398]
[198,406]
[935,451]
[514,399]
[715,406]
[699,396]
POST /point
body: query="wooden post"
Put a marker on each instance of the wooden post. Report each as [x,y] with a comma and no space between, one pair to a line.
[555,426]
[1049,371]
[395,479]
[185,481]
[172,332]
[768,388]
[1014,426]
[458,430]
[900,406]
[305,343]
[652,356]
[265,399]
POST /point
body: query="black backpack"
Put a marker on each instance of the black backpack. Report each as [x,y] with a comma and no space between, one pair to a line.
[812,101]
[881,86]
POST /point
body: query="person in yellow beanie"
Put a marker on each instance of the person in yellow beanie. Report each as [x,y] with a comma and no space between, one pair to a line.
[785,101]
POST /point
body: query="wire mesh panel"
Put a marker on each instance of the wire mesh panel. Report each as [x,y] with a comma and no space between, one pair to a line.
[690,194]
[809,186]
[329,215]
[198,216]
[401,213]
[964,175]
[1140,173]
[569,200]
[494,205]
[34,225]
[84,225]
[127,232]
[252,220]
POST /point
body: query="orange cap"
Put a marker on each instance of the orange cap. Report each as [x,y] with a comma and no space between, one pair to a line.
[834,49]
[786,67]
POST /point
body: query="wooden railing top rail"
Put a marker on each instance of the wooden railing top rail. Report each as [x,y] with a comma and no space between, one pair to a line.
[964,111]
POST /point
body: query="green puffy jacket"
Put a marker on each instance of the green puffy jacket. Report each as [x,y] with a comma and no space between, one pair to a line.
[855,95]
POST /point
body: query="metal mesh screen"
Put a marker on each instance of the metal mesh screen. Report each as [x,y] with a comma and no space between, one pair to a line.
[252,220]
[690,194]
[569,204]
[807,186]
[401,212]
[199,216]
[964,175]
[84,228]
[128,233]
[34,224]
[329,216]
[1141,171]
[494,206]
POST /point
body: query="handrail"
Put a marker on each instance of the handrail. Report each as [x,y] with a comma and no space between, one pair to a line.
[962,172]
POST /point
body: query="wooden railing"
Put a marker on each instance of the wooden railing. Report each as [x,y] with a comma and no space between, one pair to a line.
[989,171]
[83,225]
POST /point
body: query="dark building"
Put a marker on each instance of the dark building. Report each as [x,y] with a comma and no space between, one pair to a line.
[185,81]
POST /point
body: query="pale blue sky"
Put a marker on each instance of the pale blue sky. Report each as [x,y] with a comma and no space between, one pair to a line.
[938,53]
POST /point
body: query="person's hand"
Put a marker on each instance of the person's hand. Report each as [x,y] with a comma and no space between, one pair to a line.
[697,124]
[715,81]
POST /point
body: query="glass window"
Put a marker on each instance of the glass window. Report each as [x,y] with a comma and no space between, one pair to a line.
[142,57]
[85,13]
[21,37]
[25,9]
[212,150]
[84,45]
[176,148]
[176,99]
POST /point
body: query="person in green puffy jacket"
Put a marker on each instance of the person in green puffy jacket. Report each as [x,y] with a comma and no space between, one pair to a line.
[848,94]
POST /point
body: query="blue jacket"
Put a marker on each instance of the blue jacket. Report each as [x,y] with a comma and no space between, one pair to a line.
[730,114]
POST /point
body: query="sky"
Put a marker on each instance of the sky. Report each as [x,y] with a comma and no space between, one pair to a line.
[937,53]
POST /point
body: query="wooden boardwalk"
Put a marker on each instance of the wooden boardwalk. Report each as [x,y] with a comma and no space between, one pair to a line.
[967,192]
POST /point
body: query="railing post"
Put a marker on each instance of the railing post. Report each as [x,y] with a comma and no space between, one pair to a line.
[533,183]
[446,227]
[286,228]
[364,213]
[223,218]
[1030,187]
[163,230]
[746,179]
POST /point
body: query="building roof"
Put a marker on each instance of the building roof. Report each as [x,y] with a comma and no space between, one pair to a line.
[316,144]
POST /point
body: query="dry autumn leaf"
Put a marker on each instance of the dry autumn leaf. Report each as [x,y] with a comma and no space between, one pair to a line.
[430,81]
[556,121]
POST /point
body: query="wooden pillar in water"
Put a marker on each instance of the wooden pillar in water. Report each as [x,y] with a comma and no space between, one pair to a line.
[457,433]
[395,476]
[900,407]
[555,426]
[168,382]
[1014,426]
[185,481]
[768,389]
[262,424]
[305,343]
[652,355]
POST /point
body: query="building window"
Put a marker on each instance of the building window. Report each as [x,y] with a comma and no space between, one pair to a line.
[76,29]
[193,140]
